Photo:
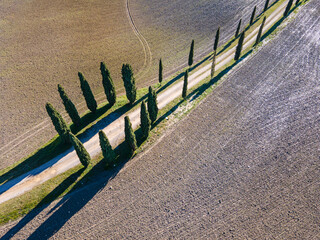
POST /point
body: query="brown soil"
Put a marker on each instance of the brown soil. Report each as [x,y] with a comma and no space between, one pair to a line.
[243,165]
[47,42]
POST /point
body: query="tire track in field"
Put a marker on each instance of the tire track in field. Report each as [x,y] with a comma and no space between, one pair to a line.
[46,122]
[281,8]
[230,113]
[143,42]
[224,38]
[10,147]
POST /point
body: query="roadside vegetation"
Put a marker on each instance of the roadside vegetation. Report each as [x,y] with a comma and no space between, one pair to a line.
[151,123]
[78,36]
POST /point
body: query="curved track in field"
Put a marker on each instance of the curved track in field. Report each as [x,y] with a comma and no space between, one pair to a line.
[14,148]
[10,146]
[142,40]
[243,165]
[114,130]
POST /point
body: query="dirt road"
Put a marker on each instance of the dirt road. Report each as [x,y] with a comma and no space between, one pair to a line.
[38,33]
[244,164]
[114,130]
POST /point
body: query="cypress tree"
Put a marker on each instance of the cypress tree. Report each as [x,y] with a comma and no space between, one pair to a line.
[69,106]
[58,123]
[145,121]
[130,138]
[239,47]
[82,153]
[107,151]
[216,41]
[213,66]
[185,84]
[260,31]
[152,105]
[297,2]
[266,6]
[87,93]
[108,84]
[253,15]
[160,71]
[190,61]
[238,29]
[129,82]
[286,12]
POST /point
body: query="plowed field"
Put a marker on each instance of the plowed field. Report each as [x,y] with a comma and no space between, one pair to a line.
[243,165]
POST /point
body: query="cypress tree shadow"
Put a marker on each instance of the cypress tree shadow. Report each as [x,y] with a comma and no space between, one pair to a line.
[72,203]
[246,28]
[227,45]
[79,197]
[201,89]
[56,147]
[50,151]
[181,75]
[42,204]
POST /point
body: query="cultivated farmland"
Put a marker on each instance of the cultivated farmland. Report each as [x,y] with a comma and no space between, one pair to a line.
[44,43]
[243,165]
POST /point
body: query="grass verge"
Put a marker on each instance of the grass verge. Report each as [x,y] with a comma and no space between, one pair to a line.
[79,176]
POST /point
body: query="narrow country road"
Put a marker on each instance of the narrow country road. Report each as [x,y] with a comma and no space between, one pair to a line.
[243,165]
[115,130]
[10,146]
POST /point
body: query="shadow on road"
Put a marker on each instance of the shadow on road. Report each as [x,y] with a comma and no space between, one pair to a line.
[69,204]
[57,147]
[181,75]
[97,178]
[51,150]
[51,196]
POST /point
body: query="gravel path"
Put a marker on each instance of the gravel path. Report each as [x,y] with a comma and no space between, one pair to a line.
[244,164]
[24,129]
[113,125]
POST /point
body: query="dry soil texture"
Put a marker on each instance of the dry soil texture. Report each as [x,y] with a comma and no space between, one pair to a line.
[44,43]
[242,165]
